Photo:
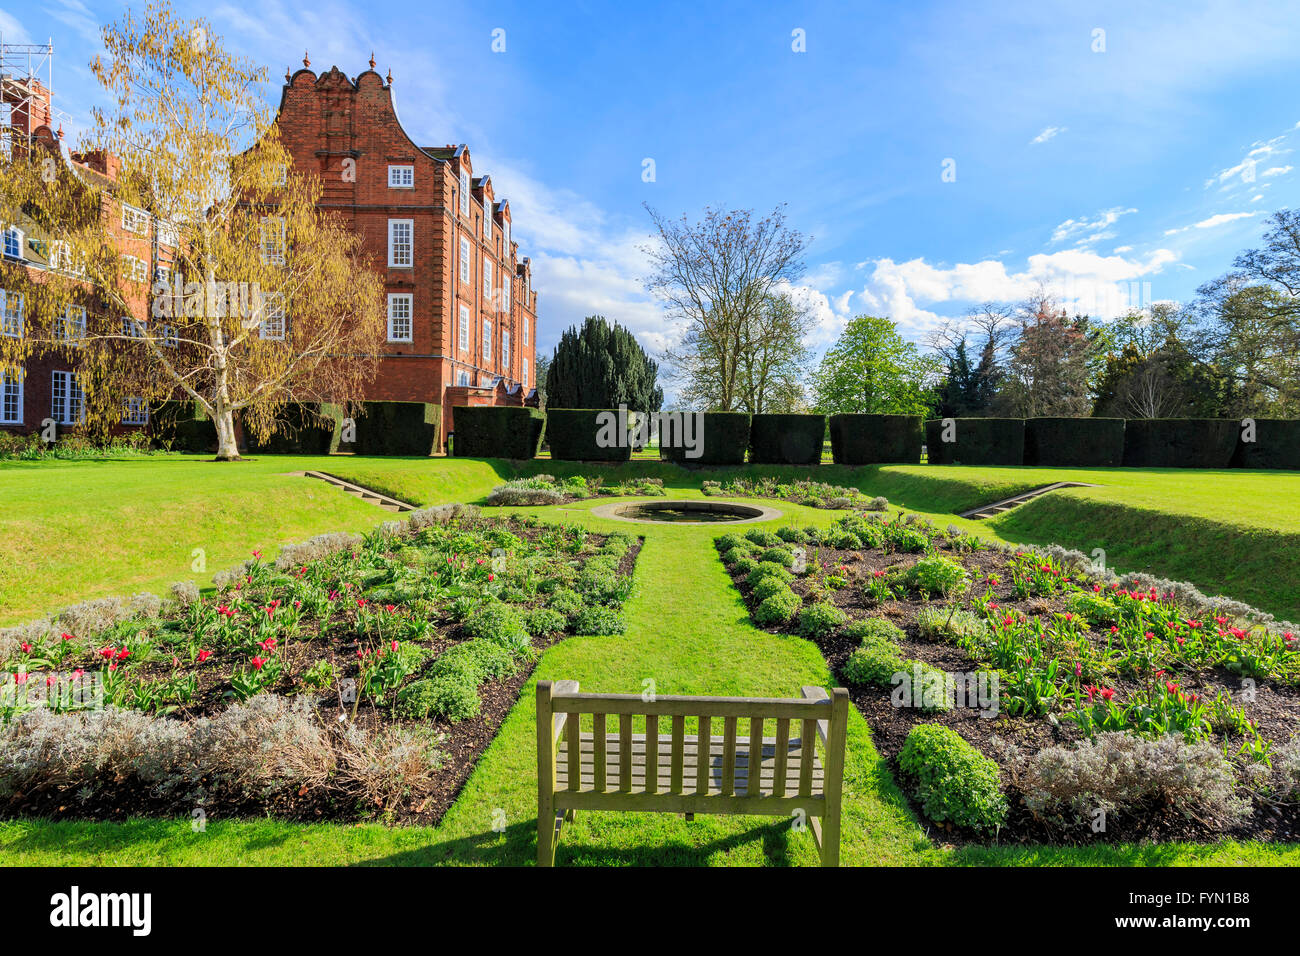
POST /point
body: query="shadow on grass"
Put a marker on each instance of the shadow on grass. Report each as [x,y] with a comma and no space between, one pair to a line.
[517,846]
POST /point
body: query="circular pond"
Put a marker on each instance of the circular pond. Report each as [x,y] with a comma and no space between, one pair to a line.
[657,510]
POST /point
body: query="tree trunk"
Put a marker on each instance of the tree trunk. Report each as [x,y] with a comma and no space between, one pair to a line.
[227,446]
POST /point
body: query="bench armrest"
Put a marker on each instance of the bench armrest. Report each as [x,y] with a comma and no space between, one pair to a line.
[818,693]
[561,688]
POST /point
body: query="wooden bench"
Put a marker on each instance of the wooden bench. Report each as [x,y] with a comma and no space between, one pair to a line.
[587,761]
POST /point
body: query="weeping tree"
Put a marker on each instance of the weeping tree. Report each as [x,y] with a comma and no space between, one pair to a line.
[602,366]
[224,284]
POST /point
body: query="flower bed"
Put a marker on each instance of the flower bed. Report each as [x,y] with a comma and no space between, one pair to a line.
[356,677]
[813,494]
[548,490]
[1114,709]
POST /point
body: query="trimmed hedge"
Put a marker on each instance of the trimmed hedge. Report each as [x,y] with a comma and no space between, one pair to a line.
[1082,442]
[1276,445]
[396,428]
[724,441]
[496,431]
[979,441]
[300,432]
[1180,442]
[786,439]
[954,782]
[183,427]
[572,435]
[876,439]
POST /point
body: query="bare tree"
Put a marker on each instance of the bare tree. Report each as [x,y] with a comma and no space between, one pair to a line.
[717,277]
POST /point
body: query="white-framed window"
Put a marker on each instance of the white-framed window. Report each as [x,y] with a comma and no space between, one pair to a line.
[163,274]
[170,337]
[526,332]
[401,243]
[61,258]
[135,219]
[135,268]
[274,320]
[523,372]
[462,377]
[463,331]
[505,240]
[505,292]
[487,279]
[132,328]
[168,235]
[464,260]
[13,243]
[399,316]
[273,240]
[135,411]
[505,350]
[11,313]
[487,218]
[464,193]
[401,177]
[72,324]
[281,174]
[487,340]
[67,403]
[11,398]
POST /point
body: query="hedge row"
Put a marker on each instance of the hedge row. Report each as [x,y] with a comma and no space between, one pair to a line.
[975,441]
[1180,442]
[496,431]
[1074,442]
[586,434]
[876,439]
[786,439]
[393,428]
[720,438]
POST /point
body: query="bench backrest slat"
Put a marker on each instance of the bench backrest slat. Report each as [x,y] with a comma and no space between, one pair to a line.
[754,772]
[679,754]
[805,756]
[705,745]
[690,706]
[598,752]
[782,756]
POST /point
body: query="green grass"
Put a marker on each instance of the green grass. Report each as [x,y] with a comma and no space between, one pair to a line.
[77,529]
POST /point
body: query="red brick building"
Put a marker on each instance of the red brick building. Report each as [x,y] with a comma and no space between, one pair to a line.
[47,387]
[462,313]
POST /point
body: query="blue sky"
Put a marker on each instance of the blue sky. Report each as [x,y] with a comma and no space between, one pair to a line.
[1137,161]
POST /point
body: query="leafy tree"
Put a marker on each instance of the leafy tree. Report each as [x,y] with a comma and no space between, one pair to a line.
[602,366]
[718,277]
[271,302]
[872,369]
[770,372]
[1049,369]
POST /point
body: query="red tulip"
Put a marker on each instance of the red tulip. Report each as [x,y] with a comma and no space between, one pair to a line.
[204,655]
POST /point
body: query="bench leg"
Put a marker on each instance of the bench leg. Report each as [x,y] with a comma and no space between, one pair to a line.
[545,839]
[689,817]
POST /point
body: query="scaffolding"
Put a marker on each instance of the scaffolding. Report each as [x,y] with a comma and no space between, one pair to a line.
[26,93]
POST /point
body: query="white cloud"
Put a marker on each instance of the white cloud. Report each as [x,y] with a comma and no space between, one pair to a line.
[13,30]
[1097,228]
[1048,133]
[1277,171]
[1120,250]
[1217,220]
[1257,197]
[919,296]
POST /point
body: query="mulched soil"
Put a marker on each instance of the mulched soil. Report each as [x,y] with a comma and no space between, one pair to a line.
[462,743]
[1276,710]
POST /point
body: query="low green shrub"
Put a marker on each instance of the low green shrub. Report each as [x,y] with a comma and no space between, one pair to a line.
[873,664]
[953,625]
[953,781]
[598,621]
[779,608]
[477,660]
[453,697]
[781,556]
[497,622]
[936,575]
[744,566]
[874,630]
[820,619]
[790,535]
[769,569]
[544,620]
[566,600]
[763,538]
[734,555]
[1095,608]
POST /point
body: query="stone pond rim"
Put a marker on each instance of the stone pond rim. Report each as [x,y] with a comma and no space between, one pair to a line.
[683,512]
